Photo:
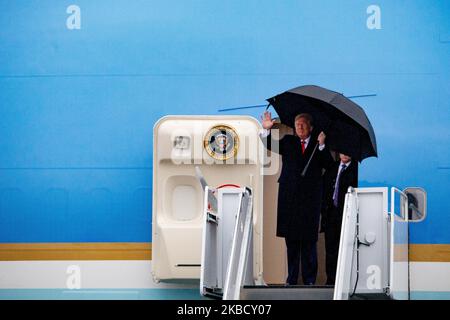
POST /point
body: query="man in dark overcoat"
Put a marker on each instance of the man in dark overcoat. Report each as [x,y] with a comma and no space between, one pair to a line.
[300,197]
[337,179]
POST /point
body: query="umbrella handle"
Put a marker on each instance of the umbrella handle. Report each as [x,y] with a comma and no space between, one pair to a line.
[309,161]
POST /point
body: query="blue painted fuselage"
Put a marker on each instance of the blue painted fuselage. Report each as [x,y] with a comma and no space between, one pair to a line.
[80,90]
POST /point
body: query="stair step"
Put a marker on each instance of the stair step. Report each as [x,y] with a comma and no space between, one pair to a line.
[282,292]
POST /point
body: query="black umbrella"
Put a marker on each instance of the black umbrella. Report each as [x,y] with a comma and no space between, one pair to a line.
[345,123]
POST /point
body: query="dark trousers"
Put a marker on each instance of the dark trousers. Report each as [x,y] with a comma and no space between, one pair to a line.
[306,251]
[332,239]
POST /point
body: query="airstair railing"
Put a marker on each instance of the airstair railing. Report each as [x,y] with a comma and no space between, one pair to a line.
[399,246]
[239,270]
[347,248]
[227,247]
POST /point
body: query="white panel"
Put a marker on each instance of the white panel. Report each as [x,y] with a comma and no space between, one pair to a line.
[92,275]
[430,276]
[184,204]
[371,206]
[373,260]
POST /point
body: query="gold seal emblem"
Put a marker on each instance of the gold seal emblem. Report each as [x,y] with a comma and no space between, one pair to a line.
[221,142]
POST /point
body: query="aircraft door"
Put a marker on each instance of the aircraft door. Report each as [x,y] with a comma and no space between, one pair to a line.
[227,150]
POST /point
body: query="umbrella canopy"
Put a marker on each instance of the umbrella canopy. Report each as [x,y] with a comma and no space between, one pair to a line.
[345,123]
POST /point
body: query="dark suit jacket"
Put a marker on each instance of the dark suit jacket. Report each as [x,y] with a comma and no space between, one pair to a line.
[299,198]
[348,178]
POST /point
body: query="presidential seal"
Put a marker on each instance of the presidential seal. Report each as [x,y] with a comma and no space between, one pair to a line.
[221,142]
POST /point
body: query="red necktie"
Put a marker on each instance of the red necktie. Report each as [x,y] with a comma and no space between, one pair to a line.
[303,146]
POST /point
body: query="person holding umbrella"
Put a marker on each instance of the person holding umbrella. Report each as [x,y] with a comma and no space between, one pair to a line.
[337,179]
[349,132]
[300,194]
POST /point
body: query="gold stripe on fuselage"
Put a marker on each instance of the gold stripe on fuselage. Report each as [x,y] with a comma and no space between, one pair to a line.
[429,252]
[143,251]
[76,251]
